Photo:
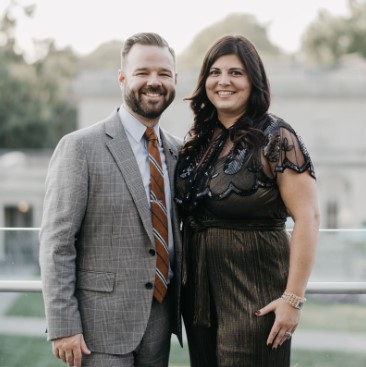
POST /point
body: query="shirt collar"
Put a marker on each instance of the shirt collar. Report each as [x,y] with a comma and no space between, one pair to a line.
[135,127]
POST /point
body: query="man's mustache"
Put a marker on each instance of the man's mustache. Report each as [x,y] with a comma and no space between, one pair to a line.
[159,90]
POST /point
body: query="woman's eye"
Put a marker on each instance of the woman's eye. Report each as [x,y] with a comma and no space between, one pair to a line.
[214,72]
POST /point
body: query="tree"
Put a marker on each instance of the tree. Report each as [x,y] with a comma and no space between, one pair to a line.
[33,114]
[329,37]
[36,107]
[244,24]
[19,125]
[8,44]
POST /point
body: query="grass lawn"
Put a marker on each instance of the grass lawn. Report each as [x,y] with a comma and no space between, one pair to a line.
[27,305]
[31,305]
[18,351]
[333,316]
[315,315]
[309,358]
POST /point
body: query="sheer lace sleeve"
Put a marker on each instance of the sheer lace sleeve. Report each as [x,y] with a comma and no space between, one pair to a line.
[284,148]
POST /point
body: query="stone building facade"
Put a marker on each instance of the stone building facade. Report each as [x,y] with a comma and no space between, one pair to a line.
[326,107]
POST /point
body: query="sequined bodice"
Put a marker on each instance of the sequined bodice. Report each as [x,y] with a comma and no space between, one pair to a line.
[243,184]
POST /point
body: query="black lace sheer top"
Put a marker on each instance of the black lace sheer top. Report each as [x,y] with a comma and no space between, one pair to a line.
[243,183]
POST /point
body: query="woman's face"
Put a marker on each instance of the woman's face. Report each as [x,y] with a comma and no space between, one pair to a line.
[228,88]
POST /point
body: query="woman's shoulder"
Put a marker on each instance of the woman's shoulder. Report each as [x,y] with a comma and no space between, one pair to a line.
[274,123]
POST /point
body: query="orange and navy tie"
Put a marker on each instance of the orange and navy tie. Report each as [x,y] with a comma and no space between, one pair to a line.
[158,215]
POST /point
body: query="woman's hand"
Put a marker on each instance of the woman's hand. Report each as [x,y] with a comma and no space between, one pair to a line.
[286,321]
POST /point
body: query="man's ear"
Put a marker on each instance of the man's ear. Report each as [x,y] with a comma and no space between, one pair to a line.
[121,78]
[176,78]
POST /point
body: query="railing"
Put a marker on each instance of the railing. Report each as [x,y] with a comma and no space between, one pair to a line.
[313,287]
[20,286]
[331,333]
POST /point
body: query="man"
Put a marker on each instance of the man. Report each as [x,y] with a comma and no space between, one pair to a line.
[99,254]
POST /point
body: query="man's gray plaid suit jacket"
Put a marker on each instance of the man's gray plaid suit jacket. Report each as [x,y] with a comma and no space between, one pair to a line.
[95,238]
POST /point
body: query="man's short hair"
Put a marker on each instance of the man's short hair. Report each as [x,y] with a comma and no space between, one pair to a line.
[147,39]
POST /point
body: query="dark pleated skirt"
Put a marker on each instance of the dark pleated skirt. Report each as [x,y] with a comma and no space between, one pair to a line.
[243,271]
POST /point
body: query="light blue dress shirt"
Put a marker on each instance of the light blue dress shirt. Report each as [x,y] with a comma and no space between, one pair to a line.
[135,133]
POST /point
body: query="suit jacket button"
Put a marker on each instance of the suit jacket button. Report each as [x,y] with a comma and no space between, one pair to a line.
[149,285]
[152,252]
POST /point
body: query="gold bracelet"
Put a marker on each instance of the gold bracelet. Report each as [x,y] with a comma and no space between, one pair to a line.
[293,300]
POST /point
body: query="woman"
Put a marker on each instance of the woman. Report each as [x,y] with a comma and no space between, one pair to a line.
[241,172]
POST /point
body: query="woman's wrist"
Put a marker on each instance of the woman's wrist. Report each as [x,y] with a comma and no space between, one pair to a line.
[293,299]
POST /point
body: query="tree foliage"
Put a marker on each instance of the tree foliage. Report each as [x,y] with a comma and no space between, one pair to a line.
[36,106]
[244,24]
[329,37]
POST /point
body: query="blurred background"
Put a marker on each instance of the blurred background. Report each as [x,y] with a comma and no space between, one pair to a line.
[58,73]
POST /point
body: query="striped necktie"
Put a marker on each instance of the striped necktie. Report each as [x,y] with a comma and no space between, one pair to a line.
[158,215]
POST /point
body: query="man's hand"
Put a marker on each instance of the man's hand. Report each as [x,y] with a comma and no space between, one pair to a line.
[70,349]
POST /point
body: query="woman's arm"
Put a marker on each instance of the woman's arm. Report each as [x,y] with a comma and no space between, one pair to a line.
[299,193]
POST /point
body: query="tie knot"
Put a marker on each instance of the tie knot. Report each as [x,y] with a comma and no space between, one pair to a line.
[150,134]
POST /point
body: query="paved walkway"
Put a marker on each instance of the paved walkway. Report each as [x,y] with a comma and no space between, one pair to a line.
[6,299]
[23,326]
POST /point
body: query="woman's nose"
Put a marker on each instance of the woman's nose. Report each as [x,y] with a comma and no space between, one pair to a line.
[224,79]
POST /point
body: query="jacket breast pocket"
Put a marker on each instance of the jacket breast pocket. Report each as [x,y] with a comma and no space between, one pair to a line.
[95,280]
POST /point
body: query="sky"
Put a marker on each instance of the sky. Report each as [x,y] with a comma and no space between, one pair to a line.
[85,24]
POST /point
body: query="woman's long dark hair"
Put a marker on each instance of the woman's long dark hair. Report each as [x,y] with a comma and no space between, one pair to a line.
[205,116]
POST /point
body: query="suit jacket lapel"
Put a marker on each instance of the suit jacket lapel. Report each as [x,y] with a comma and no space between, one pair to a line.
[122,153]
[171,154]
[171,151]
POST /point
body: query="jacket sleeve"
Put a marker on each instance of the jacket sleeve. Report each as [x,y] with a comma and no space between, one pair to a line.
[64,207]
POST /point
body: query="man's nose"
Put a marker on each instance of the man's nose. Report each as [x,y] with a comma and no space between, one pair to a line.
[154,80]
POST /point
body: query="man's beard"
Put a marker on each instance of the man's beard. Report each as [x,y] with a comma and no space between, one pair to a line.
[149,111]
